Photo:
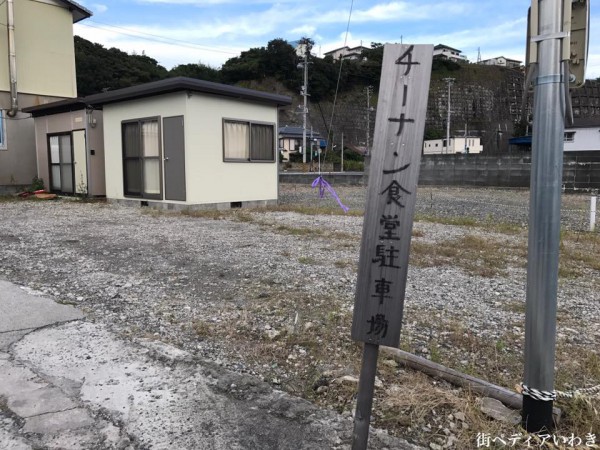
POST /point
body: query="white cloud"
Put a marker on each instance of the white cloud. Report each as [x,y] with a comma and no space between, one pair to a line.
[304,30]
[97,8]
[393,11]
[214,34]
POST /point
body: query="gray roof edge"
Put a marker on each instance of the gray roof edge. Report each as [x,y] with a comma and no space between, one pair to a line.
[65,105]
[79,12]
[177,84]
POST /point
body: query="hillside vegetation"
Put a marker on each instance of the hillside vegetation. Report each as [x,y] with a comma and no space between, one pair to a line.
[486,100]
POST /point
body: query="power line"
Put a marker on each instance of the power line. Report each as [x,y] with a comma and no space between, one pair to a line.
[337,87]
[157,38]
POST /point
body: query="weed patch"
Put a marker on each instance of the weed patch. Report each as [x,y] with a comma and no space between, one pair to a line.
[474,254]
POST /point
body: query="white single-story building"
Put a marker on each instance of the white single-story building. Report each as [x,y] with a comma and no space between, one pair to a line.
[184,143]
[502,62]
[354,53]
[470,145]
[583,136]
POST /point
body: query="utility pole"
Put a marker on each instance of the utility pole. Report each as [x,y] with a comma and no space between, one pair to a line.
[369,90]
[544,218]
[342,151]
[449,81]
[304,93]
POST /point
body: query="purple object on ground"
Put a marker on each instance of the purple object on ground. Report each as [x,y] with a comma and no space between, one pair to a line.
[324,185]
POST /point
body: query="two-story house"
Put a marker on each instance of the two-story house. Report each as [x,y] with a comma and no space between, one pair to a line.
[442,51]
[37,66]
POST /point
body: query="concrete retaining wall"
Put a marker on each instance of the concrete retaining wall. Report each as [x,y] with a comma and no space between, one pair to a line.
[334,178]
[579,172]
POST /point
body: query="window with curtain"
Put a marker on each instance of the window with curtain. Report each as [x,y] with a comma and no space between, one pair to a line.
[141,158]
[248,141]
[2,130]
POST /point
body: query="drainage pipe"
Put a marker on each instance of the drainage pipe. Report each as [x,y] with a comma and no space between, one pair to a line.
[12,60]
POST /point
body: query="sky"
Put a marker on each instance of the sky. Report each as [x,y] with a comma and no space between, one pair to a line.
[212,31]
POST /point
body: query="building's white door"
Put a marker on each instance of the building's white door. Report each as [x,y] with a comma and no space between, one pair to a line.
[80,162]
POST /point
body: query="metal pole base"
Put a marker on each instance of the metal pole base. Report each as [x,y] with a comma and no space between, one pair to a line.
[537,415]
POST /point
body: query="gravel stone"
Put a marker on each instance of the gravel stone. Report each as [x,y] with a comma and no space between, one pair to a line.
[144,274]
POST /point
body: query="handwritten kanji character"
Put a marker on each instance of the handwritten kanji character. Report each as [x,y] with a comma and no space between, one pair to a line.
[394,193]
[379,325]
[386,256]
[390,225]
[382,287]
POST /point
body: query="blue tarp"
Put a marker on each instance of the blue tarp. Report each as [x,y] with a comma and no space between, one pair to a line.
[522,140]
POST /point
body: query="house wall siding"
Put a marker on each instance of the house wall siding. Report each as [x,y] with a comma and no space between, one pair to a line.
[585,139]
[44,50]
[114,114]
[216,181]
[17,162]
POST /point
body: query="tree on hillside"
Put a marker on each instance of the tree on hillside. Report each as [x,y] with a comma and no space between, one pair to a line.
[281,60]
[248,66]
[199,71]
[100,69]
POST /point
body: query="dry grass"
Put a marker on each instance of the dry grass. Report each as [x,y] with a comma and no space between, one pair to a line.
[303,344]
[579,253]
[316,210]
[476,255]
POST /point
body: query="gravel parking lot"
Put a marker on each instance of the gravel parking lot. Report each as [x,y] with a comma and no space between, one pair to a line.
[213,283]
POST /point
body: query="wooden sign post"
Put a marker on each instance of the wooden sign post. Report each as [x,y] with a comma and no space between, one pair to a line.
[383,264]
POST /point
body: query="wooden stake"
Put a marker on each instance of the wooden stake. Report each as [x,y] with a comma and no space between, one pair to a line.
[364,403]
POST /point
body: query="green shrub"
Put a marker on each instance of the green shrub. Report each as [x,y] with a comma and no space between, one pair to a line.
[37,184]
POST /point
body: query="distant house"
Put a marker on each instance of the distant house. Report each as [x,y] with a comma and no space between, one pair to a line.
[583,136]
[502,62]
[470,145]
[354,53]
[452,54]
[40,70]
[290,141]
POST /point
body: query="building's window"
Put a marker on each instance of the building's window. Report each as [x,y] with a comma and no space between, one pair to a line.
[142,175]
[248,141]
[569,136]
[2,130]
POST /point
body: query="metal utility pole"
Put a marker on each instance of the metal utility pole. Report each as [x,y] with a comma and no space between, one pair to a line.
[544,219]
[449,81]
[369,90]
[304,93]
